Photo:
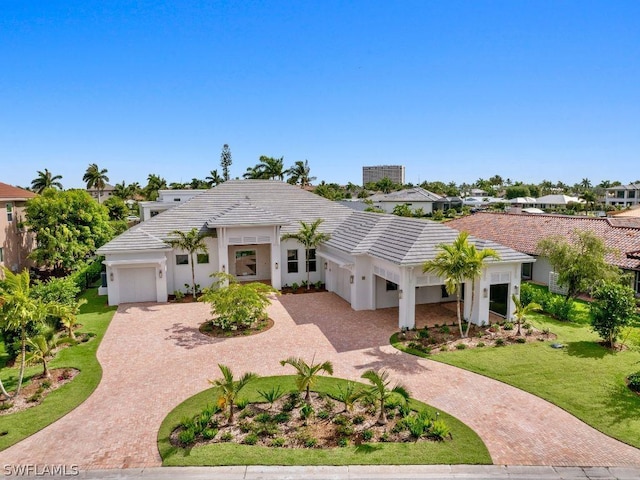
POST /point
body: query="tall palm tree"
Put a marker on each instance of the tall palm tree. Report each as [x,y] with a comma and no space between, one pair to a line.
[45,180]
[307,374]
[191,242]
[124,191]
[19,310]
[309,237]
[154,183]
[96,178]
[214,178]
[300,173]
[381,392]
[231,387]
[590,198]
[457,262]
[272,168]
[254,173]
[522,311]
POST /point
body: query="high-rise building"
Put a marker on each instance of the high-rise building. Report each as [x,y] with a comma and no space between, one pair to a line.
[395,173]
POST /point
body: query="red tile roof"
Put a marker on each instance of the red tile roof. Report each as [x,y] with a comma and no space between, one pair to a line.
[9,192]
[523,232]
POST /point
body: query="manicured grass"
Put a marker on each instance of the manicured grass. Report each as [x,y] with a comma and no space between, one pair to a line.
[579,314]
[466,447]
[95,318]
[583,378]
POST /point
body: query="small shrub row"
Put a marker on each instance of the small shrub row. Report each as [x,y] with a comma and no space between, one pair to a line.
[555,305]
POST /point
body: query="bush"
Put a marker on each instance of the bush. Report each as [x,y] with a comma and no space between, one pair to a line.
[209,433]
[614,307]
[250,439]
[633,381]
[521,340]
[439,430]
[187,436]
[358,420]
[508,325]
[226,437]
[323,415]
[499,342]
[61,290]
[424,333]
[278,442]
[559,307]
[460,346]
[88,273]
[343,442]
[367,435]
[480,344]
[282,417]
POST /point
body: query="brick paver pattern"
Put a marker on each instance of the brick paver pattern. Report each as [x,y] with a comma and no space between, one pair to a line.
[153,358]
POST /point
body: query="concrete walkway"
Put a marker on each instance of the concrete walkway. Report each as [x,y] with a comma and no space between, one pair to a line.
[154,358]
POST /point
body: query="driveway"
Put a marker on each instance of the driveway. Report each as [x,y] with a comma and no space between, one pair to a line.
[153,358]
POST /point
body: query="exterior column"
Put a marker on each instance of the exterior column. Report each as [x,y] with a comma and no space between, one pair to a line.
[276,260]
[362,297]
[223,252]
[407,300]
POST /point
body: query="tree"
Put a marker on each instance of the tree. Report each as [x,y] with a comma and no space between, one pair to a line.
[521,311]
[68,314]
[402,210]
[154,183]
[42,348]
[254,173]
[45,180]
[590,198]
[96,178]
[191,242]
[614,307]
[236,305]
[579,261]
[18,311]
[214,178]
[516,191]
[380,391]
[349,395]
[125,192]
[230,387]
[300,173]
[116,208]
[458,262]
[309,237]
[225,161]
[272,168]
[307,374]
[69,226]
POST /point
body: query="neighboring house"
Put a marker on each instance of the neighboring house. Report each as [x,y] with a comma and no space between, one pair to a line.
[523,232]
[481,202]
[415,198]
[167,199]
[524,202]
[16,243]
[372,174]
[633,212]
[372,260]
[556,201]
[623,195]
[105,193]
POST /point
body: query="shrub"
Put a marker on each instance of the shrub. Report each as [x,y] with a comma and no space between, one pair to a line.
[559,307]
[293,399]
[499,342]
[310,442]
[179,295]
[343,442]
[323,414]
[439,430]
[424,333]
[250,439]
[461,346]
[278,442]
[341,420]
[46,384]
[5,405]
[36,397]
[521,340]
[209,433]
[508,325]
[282,417]
[245,427]
[345,430]
[613,308]
[480,344]
[633,381]
[263,418]
[306,411]
[226,437]
[445,329]
[367,435]
[295,286]
[187,436]
[385,437]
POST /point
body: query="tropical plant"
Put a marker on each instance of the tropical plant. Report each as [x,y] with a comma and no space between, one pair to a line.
[613,308]
[380,391]
[191,242]
[272,395]
[349,395]
[41,349]
[68,314]
[225,162]
[307,374]
[45,180]
[300,173]
[214,178]
[590,198]
[402,210]
[310,238]
[18,311]
[124,191]
[154,183]
[96,178]
[521,311]
[272,168]
[230,387]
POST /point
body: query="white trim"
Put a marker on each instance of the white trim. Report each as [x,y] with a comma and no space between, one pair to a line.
[337,260]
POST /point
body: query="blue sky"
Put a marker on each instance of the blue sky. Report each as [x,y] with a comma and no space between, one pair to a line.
[453,90]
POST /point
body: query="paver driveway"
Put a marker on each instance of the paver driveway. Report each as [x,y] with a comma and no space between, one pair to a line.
[154,357]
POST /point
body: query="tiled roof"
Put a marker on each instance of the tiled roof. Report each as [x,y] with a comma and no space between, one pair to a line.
[416,194]
[557,200]
[9,192]
[404,241]
[523,232]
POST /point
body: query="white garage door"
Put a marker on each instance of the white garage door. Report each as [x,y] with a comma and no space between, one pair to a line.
[343,288]
[137,285]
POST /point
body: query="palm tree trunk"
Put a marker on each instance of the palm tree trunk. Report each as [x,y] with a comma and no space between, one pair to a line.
[23,354]
[473,295]
[382,419]
[458,309]
[230,413]
[46,371]
[308,272]
[72,335]
[193,277]
[4,390]
[307,397]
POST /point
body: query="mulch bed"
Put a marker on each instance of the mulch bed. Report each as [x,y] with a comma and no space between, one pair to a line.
[216,332]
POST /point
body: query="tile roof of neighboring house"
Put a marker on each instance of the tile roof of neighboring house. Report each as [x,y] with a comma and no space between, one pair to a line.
[557,200]
[631,212]
[9,192]
[404,241]
[415,194]
[523,232]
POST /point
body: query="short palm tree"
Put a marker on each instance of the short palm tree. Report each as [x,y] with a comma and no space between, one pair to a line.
[231,387]
[96,178]
[349,395]
[69,316]
[46,180]
[590,198]
[41,349]
[380,391]
[307,374]
[521,311]
[191,242]
[124,191]
[309,237]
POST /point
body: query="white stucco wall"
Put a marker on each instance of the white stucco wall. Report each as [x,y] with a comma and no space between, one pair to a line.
[290,278]
[178,275]
[540,271]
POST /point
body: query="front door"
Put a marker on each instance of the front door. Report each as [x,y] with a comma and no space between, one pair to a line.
[498,298]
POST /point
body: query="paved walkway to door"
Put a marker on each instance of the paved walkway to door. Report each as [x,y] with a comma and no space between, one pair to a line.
[153,358]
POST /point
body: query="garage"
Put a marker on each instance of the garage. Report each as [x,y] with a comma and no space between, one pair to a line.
[137,285]
[343,287]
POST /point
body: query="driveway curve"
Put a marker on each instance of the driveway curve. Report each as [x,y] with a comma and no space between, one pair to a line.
[153,358]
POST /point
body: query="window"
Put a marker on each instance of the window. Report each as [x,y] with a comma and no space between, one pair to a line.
[444,292]
[631,194]
[637,285]
[153,213]
[526,271]
[391,286]
[182,259]
[9,212]
[292,261]
[202,258]
[1,255]
[311,259]
[620,194]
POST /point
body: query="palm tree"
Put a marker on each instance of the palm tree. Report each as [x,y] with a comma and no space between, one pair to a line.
[349,395]
[522,311]
[307,374]
[69,315]
[381,392]
[272,168]
[254,173]
[214,179]
[300,173]
[42,348]
[309,237]
[45,180]
[154,183]
[458,262]
[191,242]
[125,192]
[96,178]
[590,198]
[230,387]
[19,310]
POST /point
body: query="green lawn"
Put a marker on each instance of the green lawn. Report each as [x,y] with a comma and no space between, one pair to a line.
[465,448]
[95,318]
[583,378]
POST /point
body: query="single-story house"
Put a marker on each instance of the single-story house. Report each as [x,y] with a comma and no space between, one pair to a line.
[556,201]
[415,198]
[371,260]
[523,232]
